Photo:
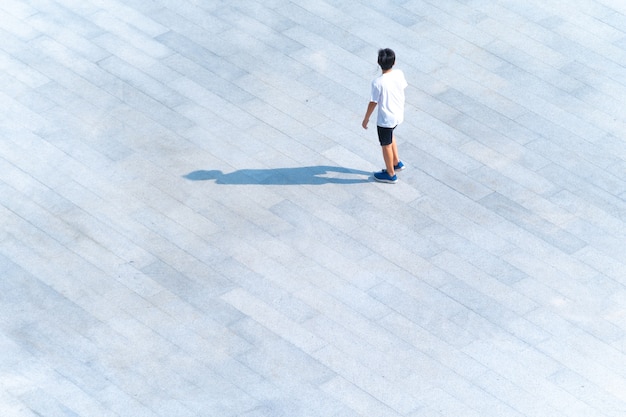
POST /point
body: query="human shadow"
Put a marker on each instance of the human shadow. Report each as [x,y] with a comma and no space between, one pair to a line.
[313,175]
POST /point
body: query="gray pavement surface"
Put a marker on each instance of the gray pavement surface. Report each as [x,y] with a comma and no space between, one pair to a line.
[189,224]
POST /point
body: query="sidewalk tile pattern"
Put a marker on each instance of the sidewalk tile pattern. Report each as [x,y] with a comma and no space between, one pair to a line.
[190,227]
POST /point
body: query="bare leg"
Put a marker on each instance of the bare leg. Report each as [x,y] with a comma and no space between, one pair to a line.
[394,150]
[388,157]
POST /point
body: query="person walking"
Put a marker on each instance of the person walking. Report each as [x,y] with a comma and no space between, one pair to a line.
[387,92]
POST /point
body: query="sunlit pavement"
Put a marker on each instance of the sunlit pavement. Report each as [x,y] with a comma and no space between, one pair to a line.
[190,227]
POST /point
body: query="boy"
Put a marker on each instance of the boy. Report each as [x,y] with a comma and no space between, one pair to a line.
[388,94]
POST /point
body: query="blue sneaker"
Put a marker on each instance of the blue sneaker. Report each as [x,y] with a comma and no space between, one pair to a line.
[398,167]
[382,176]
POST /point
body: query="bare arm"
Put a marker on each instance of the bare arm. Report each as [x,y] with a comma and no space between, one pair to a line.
[370,109]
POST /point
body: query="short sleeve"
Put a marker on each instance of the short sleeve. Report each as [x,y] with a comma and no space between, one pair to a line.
[375,92]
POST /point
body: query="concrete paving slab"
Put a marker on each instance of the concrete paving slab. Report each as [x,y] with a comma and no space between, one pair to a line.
[190,226]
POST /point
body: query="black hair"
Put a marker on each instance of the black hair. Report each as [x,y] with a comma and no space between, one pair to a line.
[386,58]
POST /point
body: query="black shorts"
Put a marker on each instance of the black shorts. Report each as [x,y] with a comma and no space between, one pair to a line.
[385,135]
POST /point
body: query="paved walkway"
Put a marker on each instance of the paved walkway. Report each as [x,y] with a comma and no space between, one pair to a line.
[189,225]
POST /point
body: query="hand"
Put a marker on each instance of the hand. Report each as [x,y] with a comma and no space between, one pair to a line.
[365,123]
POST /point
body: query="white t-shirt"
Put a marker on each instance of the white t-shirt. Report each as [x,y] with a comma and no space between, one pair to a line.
[388,92]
